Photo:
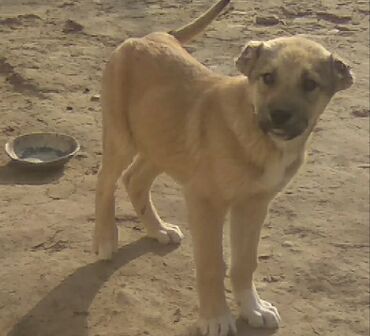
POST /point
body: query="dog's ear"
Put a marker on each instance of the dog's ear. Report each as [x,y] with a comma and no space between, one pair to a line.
[248,57]
[343,77]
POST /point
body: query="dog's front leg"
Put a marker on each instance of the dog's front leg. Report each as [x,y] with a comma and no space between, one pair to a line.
[206,226]
[247,217]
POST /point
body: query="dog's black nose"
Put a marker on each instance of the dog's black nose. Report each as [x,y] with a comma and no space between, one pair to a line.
[280,117]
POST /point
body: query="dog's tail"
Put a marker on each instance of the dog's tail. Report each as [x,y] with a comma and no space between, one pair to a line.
[187,32]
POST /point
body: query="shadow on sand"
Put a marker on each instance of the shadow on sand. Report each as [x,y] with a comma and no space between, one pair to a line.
[64,311]
[12,174]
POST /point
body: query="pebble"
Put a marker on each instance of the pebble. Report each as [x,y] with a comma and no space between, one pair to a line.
[61,190]
[361,113]
[95,97]
[269,20]
[71,26]
[177,315]
[271,278]
[82,155]
[125,299]
[264,256]
[287,243]
[334,18]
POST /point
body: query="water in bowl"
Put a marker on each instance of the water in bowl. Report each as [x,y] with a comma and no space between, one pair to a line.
[41,154]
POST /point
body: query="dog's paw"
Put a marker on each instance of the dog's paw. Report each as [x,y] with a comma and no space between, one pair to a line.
[258,313]
[221,326]
[167,234]
[105,242]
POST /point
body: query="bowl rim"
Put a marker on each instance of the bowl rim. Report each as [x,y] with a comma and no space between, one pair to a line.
[9,148]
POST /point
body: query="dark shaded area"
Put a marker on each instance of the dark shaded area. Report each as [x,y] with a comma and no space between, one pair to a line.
[245,330]
[11,174]
[18,82]
[64,311]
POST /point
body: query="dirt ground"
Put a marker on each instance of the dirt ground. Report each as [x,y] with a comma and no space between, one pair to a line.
[314,255]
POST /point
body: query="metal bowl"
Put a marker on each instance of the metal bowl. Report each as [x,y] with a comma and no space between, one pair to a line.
[42,149]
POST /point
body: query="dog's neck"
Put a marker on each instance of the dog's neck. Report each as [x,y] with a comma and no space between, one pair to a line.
[242,122]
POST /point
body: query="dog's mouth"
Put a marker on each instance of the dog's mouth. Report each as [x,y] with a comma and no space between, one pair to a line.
[282,134]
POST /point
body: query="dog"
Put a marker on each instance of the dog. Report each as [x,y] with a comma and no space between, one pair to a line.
[232,142]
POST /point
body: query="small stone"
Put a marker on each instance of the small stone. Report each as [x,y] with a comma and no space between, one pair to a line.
[95,97]
[361,113]
[61,190]
[71,26]
[334,17]
[287,243]
[69,108]
[344,28]
[66,4]
[271,278]
[269,20]
[333,31]
[82,155]
[177,315]
[264,256]
[92,170]
[8,129]
[124,299]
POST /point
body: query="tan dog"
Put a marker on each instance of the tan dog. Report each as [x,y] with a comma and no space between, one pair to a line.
[232,142]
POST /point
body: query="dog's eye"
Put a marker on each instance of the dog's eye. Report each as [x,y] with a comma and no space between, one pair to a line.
[268,78]
[309,85]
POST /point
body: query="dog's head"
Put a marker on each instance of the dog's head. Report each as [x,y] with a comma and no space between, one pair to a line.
[292,79]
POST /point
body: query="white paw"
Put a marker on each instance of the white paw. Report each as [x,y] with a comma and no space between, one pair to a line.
[105,242]
[167,234]
[258,313]
[221,326]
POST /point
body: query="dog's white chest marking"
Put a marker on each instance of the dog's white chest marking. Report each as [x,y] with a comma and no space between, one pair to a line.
[278,172]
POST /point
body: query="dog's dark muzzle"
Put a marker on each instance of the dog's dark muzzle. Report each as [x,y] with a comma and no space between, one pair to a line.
[284,124]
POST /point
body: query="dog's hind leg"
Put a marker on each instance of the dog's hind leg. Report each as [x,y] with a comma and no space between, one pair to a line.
[118,152]
[138,179]
[106,232]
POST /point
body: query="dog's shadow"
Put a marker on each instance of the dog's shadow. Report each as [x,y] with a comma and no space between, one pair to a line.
[11,174]
[245,330]
[63,312]
[242,326]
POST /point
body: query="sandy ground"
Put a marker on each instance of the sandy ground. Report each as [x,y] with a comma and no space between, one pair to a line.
[315,246]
